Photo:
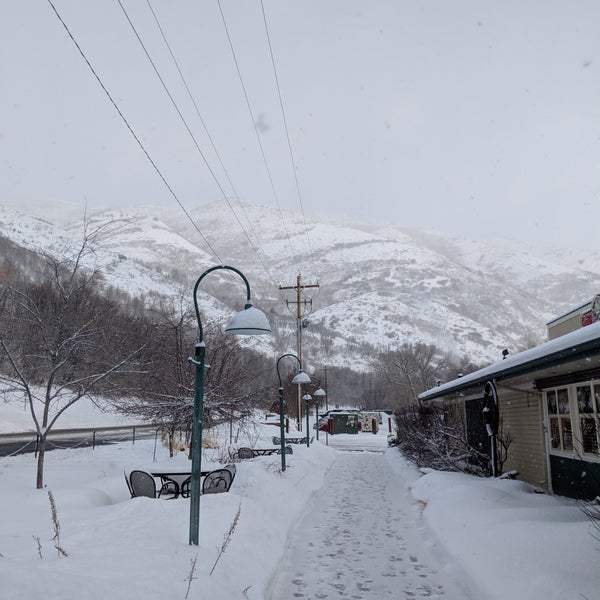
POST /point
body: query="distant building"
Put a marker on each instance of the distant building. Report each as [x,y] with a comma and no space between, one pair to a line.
[578,317]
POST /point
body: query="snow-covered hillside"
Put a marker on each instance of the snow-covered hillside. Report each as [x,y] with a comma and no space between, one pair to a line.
[377,287]
[392,285]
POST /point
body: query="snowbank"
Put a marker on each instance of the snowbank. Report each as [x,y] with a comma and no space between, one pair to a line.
[516,543]
[123,548]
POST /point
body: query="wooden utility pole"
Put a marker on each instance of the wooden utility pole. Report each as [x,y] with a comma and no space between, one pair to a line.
[303,308]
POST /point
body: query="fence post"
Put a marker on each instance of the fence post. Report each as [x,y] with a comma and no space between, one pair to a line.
[133,442]
[94,440]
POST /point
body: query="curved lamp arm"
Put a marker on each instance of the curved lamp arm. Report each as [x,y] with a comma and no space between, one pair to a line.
[248,301]
[319,392]
[279,359]
[300,379]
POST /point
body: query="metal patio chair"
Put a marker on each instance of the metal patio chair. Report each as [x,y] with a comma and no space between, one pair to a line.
[232,470]
[141,483]
[245,453]
[217,481]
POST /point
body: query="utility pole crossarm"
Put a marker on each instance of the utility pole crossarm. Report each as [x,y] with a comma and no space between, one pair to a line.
[299,302]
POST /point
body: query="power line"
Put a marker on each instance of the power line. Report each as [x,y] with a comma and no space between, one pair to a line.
[262,152]
[187,127]
[287,133]
[130,128]
[202,121]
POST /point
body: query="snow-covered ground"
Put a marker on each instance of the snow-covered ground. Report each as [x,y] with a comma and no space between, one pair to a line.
[436,535]
[361,537]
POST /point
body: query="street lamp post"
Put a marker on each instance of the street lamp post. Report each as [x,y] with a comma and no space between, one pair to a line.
[317,395]
[307,398]
[250,321]
[326,391]
[299,379]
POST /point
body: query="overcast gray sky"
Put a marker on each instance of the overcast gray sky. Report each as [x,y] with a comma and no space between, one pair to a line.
[472,117]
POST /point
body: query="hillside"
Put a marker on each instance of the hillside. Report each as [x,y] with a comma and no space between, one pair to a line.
[377,288]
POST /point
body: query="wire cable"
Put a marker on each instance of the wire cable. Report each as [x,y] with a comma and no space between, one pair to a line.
[253,119]
[203,122]
[287,132]
[130,128]
[187,127]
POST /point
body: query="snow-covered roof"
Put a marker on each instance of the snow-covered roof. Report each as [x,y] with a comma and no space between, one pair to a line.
[572,346]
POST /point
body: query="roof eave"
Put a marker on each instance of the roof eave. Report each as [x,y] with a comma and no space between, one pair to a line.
[562,356]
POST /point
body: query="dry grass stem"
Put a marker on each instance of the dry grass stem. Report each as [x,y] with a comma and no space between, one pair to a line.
[190,576]
[227,537]
[39,545]
[56,525]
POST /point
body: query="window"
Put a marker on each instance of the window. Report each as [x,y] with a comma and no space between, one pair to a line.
[574,418]
[559,413]
[588,398]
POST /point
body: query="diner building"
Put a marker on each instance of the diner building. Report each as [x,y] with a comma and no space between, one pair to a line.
[538,409]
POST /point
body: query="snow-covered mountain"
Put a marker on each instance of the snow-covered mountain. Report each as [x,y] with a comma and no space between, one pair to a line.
[377,287]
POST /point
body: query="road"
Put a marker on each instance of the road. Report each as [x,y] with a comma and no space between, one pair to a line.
[21,443]
[362,538]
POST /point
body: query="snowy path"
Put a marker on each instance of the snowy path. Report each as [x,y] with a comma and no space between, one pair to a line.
[362,537]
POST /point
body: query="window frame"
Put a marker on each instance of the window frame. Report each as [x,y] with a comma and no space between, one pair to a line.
[558,421]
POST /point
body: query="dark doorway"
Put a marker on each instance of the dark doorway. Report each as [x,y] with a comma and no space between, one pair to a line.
[477,436]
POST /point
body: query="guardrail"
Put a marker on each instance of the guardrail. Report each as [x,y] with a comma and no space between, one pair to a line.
[81,436]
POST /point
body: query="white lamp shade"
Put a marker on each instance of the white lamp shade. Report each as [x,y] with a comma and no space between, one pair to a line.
[302,377]
[307,397]
[249,321]
[319,393]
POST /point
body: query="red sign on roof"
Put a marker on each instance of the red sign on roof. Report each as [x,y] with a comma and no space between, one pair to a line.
[587,318]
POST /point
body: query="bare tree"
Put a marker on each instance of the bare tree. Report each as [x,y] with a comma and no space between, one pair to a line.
[236,380]
[408,371]
[504,441]
[164,394]
[427,436]
[591,509]
[60,341]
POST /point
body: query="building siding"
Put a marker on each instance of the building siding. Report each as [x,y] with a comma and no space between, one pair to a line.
[521,418]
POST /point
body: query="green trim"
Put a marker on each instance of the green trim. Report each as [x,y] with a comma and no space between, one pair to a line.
[575,478]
